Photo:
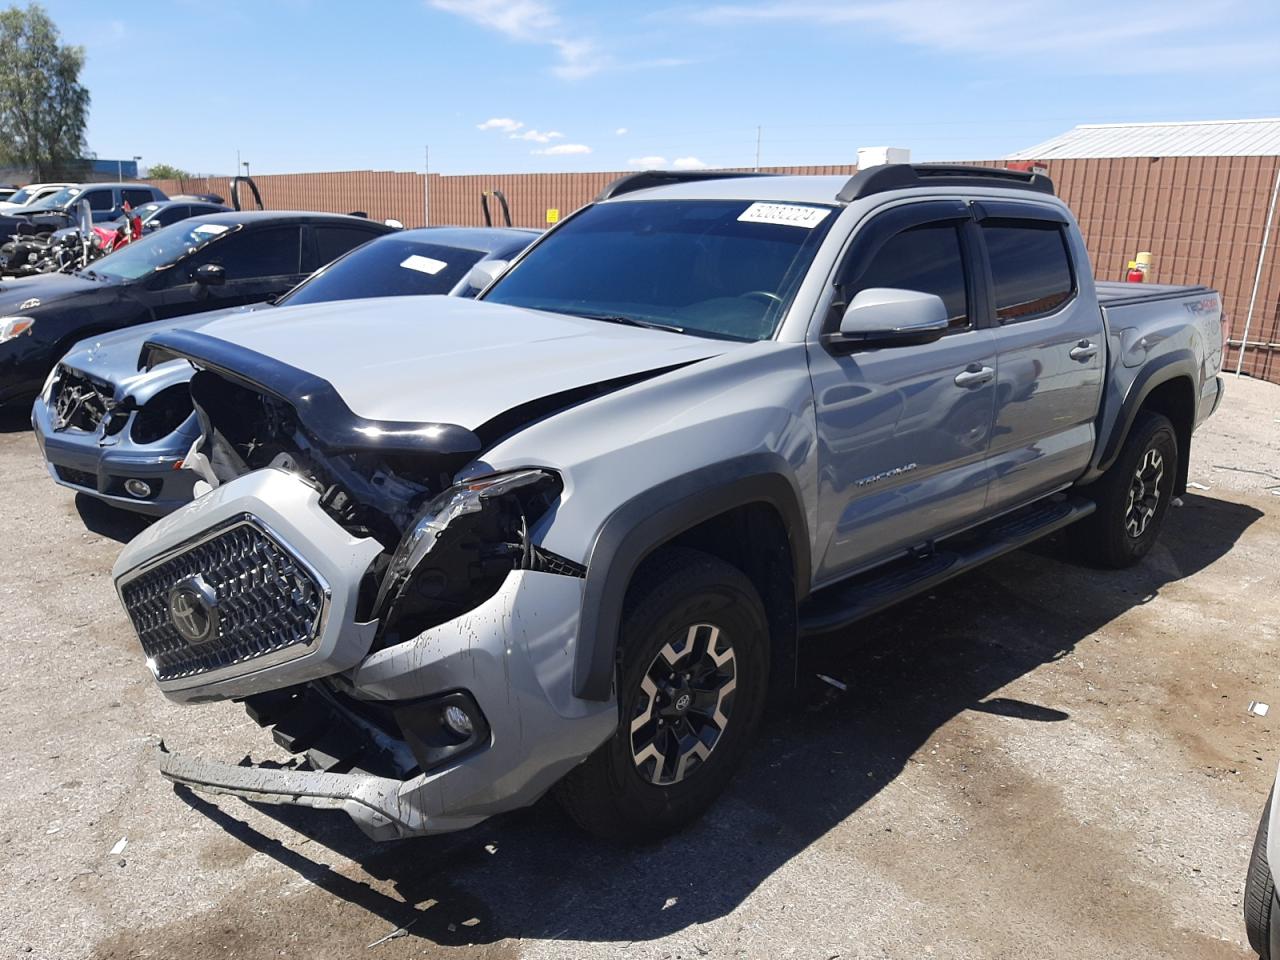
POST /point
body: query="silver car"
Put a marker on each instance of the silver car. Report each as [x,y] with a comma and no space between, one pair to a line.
[112,429]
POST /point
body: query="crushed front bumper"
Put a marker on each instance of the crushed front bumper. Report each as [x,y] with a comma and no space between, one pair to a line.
[372,802]
[512,656]
[101,465]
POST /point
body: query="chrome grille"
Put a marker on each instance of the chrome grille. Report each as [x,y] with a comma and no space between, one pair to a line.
[267,602]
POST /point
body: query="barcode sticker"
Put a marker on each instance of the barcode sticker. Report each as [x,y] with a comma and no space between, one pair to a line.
[786,214]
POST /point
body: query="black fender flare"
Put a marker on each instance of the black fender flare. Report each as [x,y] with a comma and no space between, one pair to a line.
[1155,373]
[650,519]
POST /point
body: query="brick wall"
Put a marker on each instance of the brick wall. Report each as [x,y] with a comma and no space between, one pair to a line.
[1202,218]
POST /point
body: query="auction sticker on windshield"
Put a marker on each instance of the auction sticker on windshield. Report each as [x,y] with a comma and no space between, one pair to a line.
[212,229]
[787,214]
[423,264]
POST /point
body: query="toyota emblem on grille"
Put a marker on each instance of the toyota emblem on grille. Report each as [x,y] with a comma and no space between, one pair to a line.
[193,608]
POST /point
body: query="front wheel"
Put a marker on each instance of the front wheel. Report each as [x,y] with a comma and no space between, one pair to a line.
[1133,496]
[691,689]
[1260,891]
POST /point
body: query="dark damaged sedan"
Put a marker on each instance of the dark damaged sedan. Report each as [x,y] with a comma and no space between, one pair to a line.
[197,265]
[116,429]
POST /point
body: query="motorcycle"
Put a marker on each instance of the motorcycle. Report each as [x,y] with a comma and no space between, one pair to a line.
[72,248]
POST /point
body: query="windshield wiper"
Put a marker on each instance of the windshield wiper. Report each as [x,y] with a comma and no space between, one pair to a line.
[631,322]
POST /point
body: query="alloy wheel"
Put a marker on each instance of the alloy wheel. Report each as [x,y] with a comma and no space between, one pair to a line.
[685,701]
[1144,493]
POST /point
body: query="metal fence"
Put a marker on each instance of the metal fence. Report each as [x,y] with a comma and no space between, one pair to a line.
[1201,217]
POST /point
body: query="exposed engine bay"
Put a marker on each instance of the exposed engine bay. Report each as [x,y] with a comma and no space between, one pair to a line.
[446,548]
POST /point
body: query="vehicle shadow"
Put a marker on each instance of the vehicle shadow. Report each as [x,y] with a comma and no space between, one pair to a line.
[15,418]
[108,521]
[908,672]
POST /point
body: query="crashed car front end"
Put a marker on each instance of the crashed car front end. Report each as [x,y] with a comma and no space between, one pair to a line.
[398,629]
[120,442]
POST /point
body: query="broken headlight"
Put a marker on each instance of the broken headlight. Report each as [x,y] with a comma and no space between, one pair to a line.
[459,548]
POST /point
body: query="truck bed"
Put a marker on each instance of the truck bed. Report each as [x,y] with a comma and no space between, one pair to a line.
[1112,293]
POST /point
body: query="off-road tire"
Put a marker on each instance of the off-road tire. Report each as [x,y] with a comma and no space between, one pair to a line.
[676,590]
[1260,890]
[1104,538]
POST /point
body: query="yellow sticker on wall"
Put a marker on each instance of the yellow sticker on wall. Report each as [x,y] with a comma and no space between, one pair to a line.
[553,215]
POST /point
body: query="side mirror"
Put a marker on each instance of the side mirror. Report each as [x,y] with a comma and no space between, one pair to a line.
[485,272]
[887,317]
[210,275]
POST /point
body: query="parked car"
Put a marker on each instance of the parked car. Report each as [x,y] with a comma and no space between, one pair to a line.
[58,210]
[30,194]
[570,533]
[7,191]
[119,433]
[195,266]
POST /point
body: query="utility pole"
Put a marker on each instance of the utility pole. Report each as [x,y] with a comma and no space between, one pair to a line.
[237,173]
[758,132]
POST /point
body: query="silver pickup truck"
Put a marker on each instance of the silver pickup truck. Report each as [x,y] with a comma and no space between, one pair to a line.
[570,535]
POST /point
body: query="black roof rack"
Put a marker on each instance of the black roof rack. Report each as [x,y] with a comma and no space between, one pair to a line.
[901,176]
[661,178]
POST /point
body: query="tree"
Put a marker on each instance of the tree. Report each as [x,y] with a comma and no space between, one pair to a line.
[166,171]
[43,105]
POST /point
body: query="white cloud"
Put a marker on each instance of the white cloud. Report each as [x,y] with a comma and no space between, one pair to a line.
[517,19]
[688,163]
[647,162]
[621,131]
[505,124]
[1084,31]
[532,21]
[563,149]
[537,136]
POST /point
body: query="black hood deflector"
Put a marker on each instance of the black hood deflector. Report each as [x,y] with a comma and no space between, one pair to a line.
[321,411]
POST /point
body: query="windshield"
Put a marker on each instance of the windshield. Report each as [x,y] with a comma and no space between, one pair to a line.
[59,199]
[158,250]
[22,196]
[388,267]
[721,268]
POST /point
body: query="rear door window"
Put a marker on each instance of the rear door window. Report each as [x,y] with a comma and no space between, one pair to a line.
[1030,268]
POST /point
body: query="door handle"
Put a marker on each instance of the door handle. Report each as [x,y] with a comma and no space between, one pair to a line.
[974,375]
[1084,350]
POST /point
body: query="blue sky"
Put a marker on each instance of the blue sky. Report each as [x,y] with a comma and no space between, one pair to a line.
[550,85]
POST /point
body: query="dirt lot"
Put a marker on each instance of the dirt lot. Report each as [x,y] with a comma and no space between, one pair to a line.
[1038,760]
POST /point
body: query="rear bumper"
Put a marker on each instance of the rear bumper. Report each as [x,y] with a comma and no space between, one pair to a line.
[79,461]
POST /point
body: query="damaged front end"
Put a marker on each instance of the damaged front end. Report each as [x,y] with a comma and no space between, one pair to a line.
[399,629]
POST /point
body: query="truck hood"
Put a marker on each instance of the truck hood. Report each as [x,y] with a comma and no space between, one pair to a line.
[443,360]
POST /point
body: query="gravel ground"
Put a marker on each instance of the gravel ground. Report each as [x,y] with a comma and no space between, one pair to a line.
[1037,760]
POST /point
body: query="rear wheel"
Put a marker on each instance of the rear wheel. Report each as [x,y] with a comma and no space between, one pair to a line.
[692,685]
[1133,496]
[1260,891]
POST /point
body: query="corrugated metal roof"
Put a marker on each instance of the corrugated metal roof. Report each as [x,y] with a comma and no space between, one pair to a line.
[1200,138]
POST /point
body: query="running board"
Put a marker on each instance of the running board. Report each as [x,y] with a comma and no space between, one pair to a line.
[841,604]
